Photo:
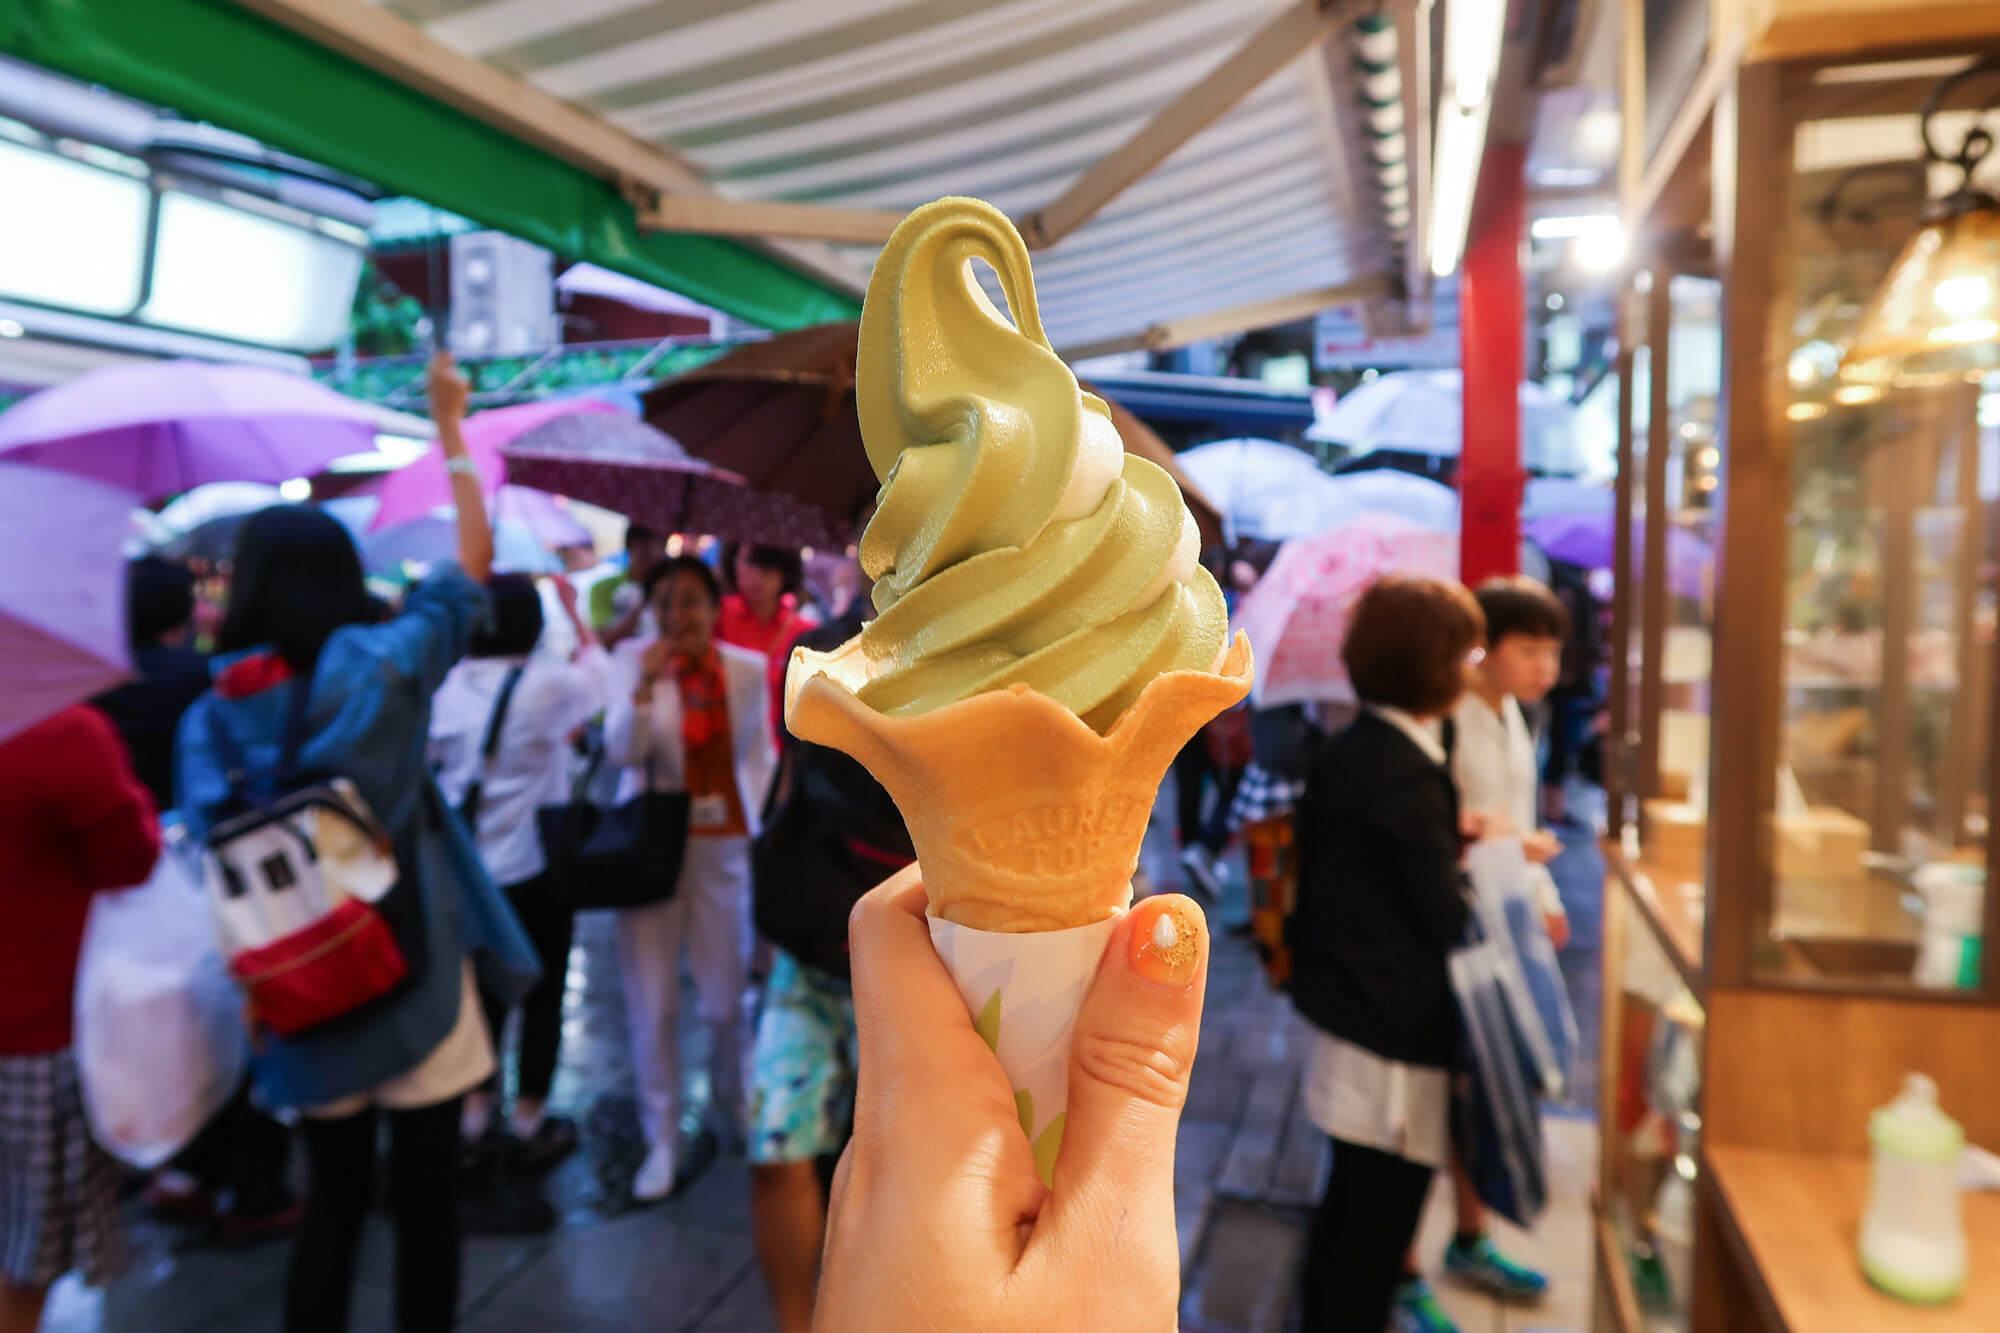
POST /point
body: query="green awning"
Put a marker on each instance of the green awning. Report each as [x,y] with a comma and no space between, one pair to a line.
[211,60]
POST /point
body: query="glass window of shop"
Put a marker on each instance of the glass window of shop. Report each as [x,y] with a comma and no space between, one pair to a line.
[1878,843]
[1677,470]
[1636,760]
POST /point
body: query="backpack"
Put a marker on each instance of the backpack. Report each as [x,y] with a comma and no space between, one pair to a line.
[304,882]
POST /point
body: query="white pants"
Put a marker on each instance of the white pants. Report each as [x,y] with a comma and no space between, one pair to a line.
[707,913]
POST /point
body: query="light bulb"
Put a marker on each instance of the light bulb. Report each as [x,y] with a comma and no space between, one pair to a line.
[1963,295]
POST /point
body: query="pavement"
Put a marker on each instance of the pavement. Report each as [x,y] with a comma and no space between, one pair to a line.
[1248,1170]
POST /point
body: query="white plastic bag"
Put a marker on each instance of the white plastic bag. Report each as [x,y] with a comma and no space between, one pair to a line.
[160,1038]
[1504,899]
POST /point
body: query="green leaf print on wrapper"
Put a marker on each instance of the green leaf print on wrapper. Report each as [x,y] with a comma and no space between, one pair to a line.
[987,1023]
[1046,1147]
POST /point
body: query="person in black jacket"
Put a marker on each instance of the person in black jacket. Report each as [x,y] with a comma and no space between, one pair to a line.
[168,674]
[1380,908]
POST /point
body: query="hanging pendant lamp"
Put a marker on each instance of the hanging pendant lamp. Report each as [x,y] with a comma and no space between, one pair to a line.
[1936,316]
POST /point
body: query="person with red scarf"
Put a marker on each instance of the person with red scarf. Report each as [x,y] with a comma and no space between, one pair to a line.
[764,614]
[688,713]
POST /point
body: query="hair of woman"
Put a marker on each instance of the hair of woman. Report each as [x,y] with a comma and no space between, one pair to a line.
[516,624]
[691,565]
[1408,643]
[297,578]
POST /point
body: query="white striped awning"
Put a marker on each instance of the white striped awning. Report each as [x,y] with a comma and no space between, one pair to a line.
[886,104]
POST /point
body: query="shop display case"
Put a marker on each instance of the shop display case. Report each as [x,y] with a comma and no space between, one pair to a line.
[1804,685]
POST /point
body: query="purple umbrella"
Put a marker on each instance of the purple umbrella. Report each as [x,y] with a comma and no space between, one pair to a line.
[541,514]
[163,427]
[414,491]
[1586,540]
[633,469]
[62,592]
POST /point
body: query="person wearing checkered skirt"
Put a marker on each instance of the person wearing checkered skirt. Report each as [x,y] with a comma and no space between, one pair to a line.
[74,820]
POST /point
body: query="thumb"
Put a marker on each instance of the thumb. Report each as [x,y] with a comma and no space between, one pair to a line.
[1129,1063]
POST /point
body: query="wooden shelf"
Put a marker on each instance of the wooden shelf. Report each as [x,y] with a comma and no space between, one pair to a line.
[1792,1220]
[1674,917]
[1612,1275]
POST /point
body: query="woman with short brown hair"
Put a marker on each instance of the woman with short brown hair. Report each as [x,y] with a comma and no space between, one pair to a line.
[1380,908]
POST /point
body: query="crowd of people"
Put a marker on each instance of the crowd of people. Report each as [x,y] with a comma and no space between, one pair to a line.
[483,699]
[456,717]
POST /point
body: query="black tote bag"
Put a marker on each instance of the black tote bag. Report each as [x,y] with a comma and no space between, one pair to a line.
[835,836]
[621,856]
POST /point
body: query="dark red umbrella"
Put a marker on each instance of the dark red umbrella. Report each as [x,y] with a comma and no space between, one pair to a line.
[781,412]
[642,473]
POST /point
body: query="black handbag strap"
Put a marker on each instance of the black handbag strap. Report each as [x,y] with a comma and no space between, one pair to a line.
[475,791]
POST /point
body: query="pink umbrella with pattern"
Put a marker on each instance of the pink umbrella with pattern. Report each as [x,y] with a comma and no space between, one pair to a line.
[1298,613]
[631,468]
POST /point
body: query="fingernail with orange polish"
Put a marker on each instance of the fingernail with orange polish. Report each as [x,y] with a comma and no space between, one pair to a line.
[1166,941]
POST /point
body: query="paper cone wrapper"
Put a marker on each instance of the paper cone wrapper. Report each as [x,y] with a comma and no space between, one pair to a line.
[1023,992]
[1027,824]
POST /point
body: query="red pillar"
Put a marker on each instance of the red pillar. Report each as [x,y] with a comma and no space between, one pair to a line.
[1492,316]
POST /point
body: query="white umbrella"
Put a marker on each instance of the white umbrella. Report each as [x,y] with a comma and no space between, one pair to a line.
[217,499]
[1420,412]
[1248,478]
[1548,496]
[1313,507]
[1388,491]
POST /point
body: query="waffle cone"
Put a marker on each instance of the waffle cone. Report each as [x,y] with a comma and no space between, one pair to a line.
[1023,817]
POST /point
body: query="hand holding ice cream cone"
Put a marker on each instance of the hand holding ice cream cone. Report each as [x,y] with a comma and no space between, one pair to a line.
[938,1216]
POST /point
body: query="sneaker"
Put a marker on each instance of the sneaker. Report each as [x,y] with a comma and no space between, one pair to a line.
[1417,1310]
[655,1180]
[554,1139]
[1482,1267]
[1200,870]
[477,1153]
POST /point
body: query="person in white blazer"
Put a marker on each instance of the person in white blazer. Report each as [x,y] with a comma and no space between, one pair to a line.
[689,711]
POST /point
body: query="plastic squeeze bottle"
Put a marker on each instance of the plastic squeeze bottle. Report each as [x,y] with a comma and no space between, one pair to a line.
[1913,1234]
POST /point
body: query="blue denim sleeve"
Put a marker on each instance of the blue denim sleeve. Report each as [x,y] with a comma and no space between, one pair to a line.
[200,785]
[434,630]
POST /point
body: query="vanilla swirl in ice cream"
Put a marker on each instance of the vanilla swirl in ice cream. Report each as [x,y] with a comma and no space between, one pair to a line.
[1015,542]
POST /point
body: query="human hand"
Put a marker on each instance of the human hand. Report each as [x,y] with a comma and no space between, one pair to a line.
[449,392]
[1541,847]
[1476,824]
[653,661]
[1557,925]
[938,1219]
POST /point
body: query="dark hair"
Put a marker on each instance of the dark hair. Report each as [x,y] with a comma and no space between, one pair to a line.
[639,532]
[1408,642]
[685,564]
[784,561]
[1521,605]
[516,624]
[159,599]
[297,579]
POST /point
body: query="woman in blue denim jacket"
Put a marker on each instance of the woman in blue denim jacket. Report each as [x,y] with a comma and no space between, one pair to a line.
[300,618]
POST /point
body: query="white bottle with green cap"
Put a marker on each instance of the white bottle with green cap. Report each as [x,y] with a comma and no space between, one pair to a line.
[1913,1236]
